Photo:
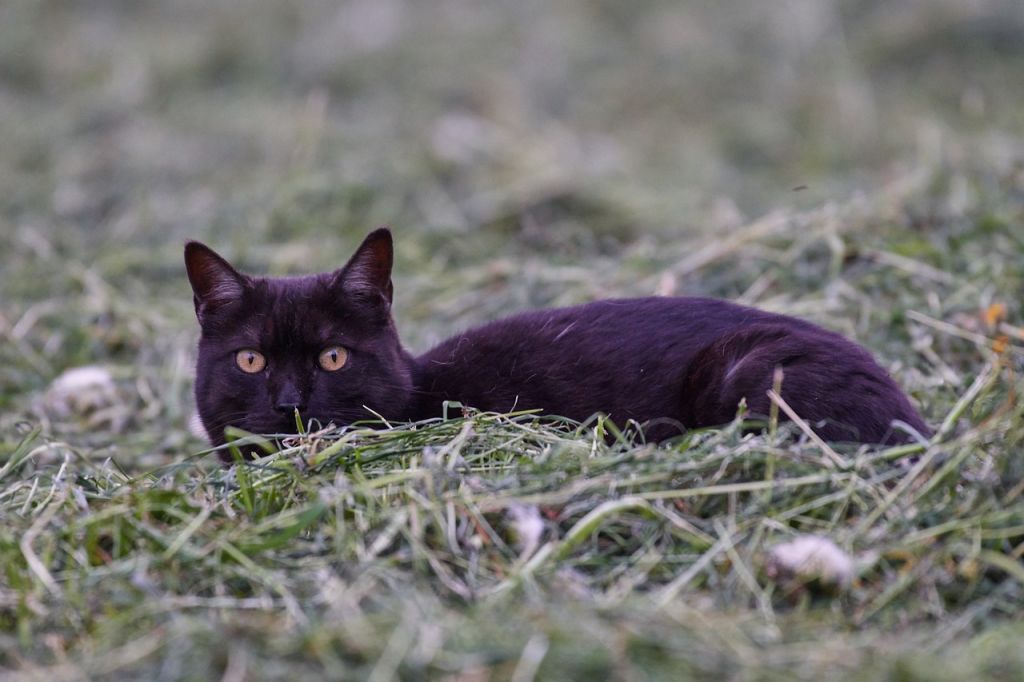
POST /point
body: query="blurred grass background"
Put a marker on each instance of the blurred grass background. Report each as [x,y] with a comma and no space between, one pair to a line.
[531,150]
[859,163]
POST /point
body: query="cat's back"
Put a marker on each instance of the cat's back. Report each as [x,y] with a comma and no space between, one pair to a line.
[621,323]
[657,333]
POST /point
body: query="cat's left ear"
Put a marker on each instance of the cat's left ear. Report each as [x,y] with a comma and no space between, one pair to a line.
[215,283]
[368,273]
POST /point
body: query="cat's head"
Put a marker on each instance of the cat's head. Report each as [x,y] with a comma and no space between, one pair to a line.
[323,344]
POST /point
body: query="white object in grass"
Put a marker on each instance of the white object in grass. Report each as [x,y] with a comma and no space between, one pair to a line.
[527,526]
[809,558]
[81,391]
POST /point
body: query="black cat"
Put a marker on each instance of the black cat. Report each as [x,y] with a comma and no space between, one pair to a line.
[326,345]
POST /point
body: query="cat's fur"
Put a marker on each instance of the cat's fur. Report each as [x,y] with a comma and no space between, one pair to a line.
[669,363]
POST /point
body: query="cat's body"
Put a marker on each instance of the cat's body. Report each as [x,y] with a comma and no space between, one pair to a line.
[668,363]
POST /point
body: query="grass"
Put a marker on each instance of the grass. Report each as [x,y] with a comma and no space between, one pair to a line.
[524,157]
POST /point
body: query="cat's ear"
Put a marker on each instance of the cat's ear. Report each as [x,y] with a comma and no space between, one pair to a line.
[368,273]
[214,282]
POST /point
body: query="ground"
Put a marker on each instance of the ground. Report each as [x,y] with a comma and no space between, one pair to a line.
[858,164]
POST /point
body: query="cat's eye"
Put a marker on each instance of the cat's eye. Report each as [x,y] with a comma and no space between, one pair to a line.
[250,361]
[333,358]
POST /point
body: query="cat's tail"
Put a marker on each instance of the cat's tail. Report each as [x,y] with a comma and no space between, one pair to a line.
[829,381]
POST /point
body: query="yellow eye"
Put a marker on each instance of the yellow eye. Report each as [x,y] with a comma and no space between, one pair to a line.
[250,361]
[333,358]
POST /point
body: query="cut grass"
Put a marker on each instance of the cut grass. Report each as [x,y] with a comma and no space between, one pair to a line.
[374,551]
[355,549]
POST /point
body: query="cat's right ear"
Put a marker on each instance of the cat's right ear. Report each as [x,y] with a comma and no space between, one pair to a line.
[214,282]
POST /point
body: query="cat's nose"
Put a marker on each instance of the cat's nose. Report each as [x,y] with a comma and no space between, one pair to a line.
[289,400]
[289,407]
